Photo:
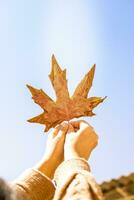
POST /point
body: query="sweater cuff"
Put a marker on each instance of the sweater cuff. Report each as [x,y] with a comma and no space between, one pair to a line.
[68,169]
[34,185]
[67,172]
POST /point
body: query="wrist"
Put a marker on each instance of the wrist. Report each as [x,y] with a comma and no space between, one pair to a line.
[46,167]
[71,155]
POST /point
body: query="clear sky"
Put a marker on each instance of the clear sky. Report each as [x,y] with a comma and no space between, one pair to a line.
[79,33]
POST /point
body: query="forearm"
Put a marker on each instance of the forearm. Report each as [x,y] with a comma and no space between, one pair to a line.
[46,167]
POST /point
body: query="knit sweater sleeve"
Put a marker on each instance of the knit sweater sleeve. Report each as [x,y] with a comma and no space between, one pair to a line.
[74,181]
[34,185]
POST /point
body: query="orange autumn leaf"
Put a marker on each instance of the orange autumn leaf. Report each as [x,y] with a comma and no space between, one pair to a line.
[65,107]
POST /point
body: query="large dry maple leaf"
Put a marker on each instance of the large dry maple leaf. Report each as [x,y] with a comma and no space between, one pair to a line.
[65,107]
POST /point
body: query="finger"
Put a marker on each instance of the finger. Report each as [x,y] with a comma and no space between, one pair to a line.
[77,124]
[55,131]
[59,127]
[84,124]
[62,130]
[70,128]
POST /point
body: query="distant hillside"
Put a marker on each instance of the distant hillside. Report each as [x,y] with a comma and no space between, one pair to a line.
[121,188]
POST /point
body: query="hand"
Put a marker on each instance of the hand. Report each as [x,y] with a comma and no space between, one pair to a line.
[54,154]
[81,139]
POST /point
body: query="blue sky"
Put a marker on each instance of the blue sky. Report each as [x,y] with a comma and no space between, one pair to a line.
[79,33]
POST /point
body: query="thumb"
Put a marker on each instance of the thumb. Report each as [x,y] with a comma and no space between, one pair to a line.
[63,129]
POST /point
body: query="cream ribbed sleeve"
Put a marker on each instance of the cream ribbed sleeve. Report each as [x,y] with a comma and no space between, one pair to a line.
[74,181]
[34,185]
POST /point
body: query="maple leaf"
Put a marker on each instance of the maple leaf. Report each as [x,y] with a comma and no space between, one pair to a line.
[65,107]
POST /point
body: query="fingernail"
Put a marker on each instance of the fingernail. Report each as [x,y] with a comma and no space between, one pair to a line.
[64,123]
